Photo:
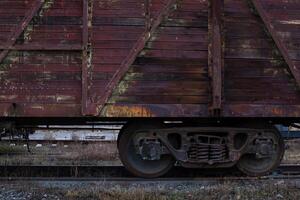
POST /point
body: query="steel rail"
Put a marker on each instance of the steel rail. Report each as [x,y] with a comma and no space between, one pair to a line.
[118,172]
[142,180]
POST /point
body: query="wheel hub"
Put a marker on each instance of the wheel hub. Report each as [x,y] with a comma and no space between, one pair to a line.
[264,148]
[262,154]
[150,149]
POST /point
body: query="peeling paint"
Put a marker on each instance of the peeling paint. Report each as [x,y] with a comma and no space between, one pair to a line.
[46,6]
[64,98]
[5,67]
[90,11]
[277,63]
[295,22]
[107,3]
[8,97]
[122,88]
[27,34]
[37,107]
[12,57]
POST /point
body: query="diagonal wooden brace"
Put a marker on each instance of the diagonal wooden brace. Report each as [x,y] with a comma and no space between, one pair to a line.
[37,5]
[279,43]
[134,52]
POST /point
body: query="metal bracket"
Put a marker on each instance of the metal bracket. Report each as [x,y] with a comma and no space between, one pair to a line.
[87,107]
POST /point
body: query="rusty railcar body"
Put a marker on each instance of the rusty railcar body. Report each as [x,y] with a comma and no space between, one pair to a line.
[225,69]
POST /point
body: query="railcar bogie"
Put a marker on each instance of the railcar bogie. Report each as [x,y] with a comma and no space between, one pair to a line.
[149,150]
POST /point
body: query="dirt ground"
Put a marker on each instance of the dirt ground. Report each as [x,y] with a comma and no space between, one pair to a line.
[243,190]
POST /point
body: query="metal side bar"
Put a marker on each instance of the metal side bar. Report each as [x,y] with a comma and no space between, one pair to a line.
[216,58]
[87,108]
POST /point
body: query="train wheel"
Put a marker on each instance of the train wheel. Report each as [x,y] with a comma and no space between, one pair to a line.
[134,162]
[253,165]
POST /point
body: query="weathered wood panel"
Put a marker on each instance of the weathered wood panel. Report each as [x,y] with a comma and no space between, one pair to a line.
[42,72]
[255,71]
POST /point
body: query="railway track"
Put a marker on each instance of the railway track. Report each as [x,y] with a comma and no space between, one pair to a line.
[120,174]
[131,180]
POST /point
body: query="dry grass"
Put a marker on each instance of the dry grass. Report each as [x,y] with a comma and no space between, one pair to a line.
[47,155]
[5,149]
[105,151]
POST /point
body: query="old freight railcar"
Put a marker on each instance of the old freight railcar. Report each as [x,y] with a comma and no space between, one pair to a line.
[200,82]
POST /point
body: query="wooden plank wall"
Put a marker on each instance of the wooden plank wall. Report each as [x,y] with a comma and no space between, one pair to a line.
[171,70]
[43,82]
[41,76]
[170,76]
[255,72]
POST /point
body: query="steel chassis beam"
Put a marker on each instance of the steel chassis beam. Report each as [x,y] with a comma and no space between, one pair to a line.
[216,58]
[37,5]
[134,52]
[279,43]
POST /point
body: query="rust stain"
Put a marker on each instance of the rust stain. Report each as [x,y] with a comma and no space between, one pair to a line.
[8,97]
[126,111]
[277,111]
